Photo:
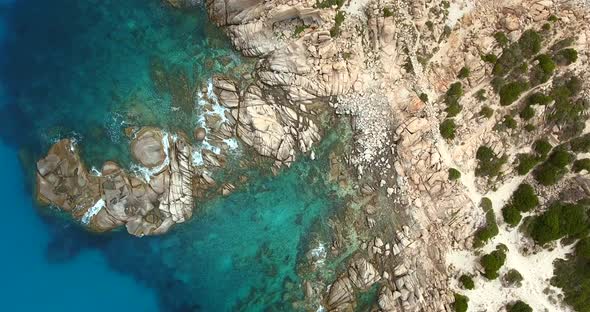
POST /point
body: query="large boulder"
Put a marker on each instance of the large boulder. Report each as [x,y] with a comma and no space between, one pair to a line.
[148,147]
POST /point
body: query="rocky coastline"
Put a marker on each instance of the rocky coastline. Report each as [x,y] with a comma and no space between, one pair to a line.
[386,66]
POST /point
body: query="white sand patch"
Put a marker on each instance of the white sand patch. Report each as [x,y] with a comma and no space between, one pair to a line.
[457,10]
[356,7]
[536,269]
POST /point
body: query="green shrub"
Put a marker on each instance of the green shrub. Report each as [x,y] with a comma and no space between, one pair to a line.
[509,122]
[560,157]
[467,281]
[486,205]
[492,262]
[464,73]
[542,147]
[512,91]
[489,164]
[530,43]
[486,112]
[519,306]
[511,58]
[490,230]
[454,92]
[481,95]
[447,129]
[338,20]
[501,38]
[489,58]
[529,128]
[524,198]
[497,84]
[526,162]
[573,276]
[513,278]
[453,109]
[554,168]
[581,144]
[546,27]
[527,113]
[560,220]
[387,12]
[461,303]
[583,248]
[581,164]
[329,3]
[539,98]
[430,25]
[547,175]
[553,18]
[454,174]
[543,71]
[423,97]
[566,56]
[511,215]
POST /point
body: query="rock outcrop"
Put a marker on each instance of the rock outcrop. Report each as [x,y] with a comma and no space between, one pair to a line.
[147,203]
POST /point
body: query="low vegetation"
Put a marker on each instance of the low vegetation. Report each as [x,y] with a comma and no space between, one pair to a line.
[493,261]
[454,174]
[467,281]
[461,303]
[524,199]
[519,306]
[484,234]
[447,129]
[560,220]
[489,164]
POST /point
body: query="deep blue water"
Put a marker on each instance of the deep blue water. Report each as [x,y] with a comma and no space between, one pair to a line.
[85,69]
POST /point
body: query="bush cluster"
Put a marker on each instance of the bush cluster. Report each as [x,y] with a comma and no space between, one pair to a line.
[567,112]
[464,73]
[447,129]
[566,56]
[490,230]
[454,174]
[452,98]
[544,69]
[329,3]
[489,164]
[486,111]
[530,43]
[511,91]
[581,164]
[338,20]
[554,168]
[387,12]
[467,281]
[523,200]
[519,306]
[526,162]
[581,144]
[512,278]
[461,303]
[493,261]
[573,276]
[560,220]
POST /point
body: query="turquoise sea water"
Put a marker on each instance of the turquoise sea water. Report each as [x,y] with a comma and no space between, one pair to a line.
[88,69]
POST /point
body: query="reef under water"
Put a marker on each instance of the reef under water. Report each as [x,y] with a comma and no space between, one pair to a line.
[89,69]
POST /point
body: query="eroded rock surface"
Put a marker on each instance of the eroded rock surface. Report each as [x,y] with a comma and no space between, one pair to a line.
[145,204]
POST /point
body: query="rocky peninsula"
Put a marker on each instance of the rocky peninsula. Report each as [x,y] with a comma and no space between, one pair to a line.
[455,105]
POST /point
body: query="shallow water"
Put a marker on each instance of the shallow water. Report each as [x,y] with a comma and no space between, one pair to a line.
[88,69]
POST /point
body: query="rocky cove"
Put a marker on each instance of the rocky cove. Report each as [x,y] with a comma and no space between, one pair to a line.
[339,109]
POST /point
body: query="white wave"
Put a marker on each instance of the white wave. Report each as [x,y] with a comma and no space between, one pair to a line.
[232,143]
[319,254]
[95,171]
[93,211]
